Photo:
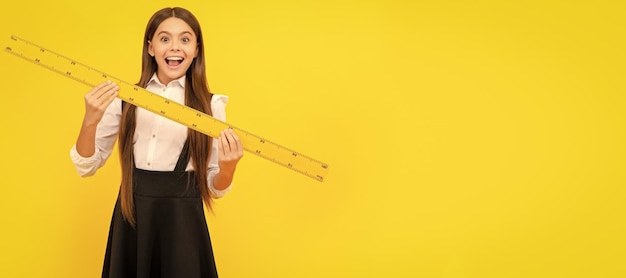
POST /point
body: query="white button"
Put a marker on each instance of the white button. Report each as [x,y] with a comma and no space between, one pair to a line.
[148,163]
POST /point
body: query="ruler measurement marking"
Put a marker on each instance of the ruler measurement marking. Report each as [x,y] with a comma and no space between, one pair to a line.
[187,116]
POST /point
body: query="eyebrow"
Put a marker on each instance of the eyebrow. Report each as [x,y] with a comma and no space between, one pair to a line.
[168,33]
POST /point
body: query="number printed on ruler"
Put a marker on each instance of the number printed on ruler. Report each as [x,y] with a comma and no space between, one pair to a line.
[182,114]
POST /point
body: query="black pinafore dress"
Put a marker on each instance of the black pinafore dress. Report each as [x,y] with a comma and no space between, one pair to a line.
[171,238]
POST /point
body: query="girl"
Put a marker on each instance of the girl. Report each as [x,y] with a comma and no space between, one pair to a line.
[158,227]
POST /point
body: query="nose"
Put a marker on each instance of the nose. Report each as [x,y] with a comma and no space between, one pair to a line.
[175,45]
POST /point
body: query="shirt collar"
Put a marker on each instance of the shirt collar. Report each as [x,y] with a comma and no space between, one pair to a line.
[180,81]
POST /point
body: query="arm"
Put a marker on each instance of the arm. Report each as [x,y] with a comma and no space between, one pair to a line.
[98,130]
[96,102]
[225,152]
[230,151]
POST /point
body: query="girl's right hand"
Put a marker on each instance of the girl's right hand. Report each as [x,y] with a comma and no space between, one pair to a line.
[97,100]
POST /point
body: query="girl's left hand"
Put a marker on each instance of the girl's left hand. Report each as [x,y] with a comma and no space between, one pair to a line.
[230,150]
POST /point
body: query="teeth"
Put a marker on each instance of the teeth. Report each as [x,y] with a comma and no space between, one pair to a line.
[174,58]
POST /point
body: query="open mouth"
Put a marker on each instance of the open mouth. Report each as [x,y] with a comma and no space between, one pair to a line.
[174,61]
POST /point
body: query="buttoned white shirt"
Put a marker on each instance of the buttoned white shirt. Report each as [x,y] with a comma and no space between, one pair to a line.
[157,141]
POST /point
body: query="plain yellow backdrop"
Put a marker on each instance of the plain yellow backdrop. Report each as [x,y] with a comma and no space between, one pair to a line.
[464,138]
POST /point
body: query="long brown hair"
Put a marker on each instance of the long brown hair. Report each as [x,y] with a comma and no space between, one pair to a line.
[197,96]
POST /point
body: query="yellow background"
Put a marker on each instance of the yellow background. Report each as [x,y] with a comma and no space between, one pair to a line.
[465,138]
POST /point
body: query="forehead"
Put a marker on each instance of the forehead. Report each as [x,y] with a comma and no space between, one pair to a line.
[174,26]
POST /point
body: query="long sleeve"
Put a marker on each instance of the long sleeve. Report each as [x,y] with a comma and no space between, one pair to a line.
[218,107]
[157,141]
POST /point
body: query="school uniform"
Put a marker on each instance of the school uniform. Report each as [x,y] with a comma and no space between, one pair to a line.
[171,238]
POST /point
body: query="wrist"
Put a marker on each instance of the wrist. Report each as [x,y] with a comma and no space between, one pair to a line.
[87,123]
[227,172]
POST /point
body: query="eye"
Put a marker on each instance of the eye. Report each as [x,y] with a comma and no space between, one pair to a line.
[185,40]
[165,39]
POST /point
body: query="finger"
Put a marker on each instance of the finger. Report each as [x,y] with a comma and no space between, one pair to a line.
[100,94]
[105,95]
[238,144]
[106,101]
[225,144]
[232,141]
[106,91]
[220,146]
[98,87]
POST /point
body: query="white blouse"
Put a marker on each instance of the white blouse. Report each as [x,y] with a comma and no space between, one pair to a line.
[157,141]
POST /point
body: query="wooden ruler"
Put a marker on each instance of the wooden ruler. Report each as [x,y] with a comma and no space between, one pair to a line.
[172,110]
